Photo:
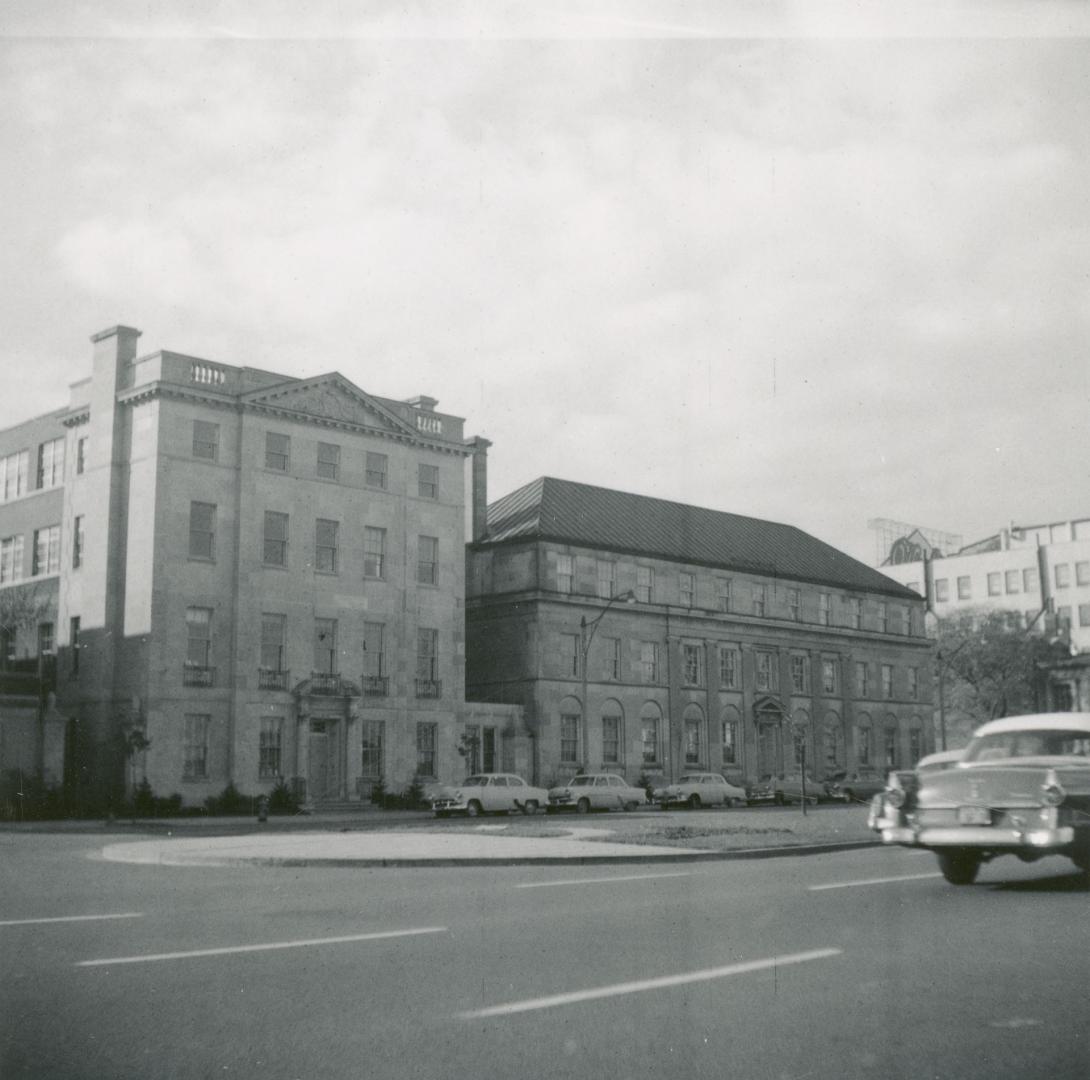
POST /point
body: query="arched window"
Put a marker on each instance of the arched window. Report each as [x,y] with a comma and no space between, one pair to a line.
[693,722]
[892,747]
[863,748]
[651,733]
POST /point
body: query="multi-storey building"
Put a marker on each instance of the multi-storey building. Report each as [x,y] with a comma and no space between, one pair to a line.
[645,636]
[1039,574]
[261,576]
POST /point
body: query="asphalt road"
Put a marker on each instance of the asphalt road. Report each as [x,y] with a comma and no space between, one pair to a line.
[856,964]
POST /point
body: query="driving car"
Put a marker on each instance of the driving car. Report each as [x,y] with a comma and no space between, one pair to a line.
[695,790]
[1022,787]
[857,785]
[596,791]
[490,793]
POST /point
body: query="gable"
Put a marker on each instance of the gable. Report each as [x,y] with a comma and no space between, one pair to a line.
[330,397]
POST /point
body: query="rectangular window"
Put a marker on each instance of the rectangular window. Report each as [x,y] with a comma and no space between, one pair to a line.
[649,739]
[862,751]
[46,642]
[564,573]
[273,637]
[800,674]
[1062,572]
[1063,617]
[427,654]
[1030,580]
[606,579]
[426,739]
[887,681]
[760,594]
[914,683]
[569,739]
[50,463]
[206,440]
[722,593]
[325,546]
[427,481]
[13,474]
[202,530]
[645,584]
[376,470]
[692,664]
[995,583]
[1082,573]
[965,587]
[11,559]
[730,742]
[611,739]
[687,589]
[794,604]
[855,606]
[374,552]
[1084,614]
[891,748]
[570,647]
[195,758]
[325,646]
[198,650]
[270,742]
[74,642]
[862,679]
[329,461]
[81,455]
[766,670]
[374,650]
[830,684]
[824,608]
[649,661]
[277,451]
[427,563]
[275,540]
[77,541]
[692,742]
[612,648]
[883,615]
[1012,580]
[728,667]
[47,551]
[373,740]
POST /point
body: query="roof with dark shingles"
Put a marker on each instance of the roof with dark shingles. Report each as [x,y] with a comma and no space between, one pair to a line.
[566,512]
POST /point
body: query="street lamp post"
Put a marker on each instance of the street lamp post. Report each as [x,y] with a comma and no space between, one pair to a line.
[586,636]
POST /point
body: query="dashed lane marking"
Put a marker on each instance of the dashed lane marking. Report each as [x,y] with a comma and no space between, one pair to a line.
[662,982]
[148,958]
[871,881]
[72,918]
[600,880]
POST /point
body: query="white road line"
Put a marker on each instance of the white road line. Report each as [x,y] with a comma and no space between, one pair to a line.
[600,880]
[230,950]
[647,984]
[871,881]
[73,918]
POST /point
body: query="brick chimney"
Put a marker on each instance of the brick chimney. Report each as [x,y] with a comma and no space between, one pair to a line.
[479,494]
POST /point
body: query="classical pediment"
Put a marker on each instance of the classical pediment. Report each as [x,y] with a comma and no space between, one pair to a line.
[768,710]
[330,397]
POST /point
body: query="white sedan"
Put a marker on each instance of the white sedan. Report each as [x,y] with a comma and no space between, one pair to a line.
[596,791]
[695,790]
[490,793]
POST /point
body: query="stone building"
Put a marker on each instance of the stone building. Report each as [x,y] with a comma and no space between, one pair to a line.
[262,576]
[646,636]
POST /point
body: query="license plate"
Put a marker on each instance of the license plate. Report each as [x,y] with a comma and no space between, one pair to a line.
[974,815]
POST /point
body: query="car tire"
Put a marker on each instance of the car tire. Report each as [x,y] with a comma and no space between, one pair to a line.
[630,806]
[582,806]
[530,807]
[779,799]
[848,795]
[473,808]
[694,801]
[959,866]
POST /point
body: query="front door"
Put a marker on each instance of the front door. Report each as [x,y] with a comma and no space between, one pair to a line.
[769,755]
[320,772]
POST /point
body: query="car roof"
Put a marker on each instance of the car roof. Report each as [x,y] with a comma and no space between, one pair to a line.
[940,756]
[1072,721]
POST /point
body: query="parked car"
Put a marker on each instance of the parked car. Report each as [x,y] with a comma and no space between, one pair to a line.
[766,789]
[596,791]
[858,785]
[941,759]
[781,790]
[791,786]
[695,790]
[490,793]
[1022,787]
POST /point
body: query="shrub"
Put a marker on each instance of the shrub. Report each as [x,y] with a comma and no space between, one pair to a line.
[647,784]
[414,795]
[378,792]
[229,802]
[282,801]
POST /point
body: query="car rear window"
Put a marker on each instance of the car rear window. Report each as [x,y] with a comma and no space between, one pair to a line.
[1052,742]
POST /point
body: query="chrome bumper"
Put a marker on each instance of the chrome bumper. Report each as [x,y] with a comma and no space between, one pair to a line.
[983,836]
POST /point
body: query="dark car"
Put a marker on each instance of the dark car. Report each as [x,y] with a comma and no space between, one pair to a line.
[858,785]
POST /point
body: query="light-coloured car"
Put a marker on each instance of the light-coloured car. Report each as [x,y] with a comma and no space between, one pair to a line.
[698,789]
[596,791]
[858,785]
[490,793]
[941,759]
[1022,787]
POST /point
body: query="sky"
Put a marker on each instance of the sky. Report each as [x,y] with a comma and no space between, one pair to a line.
[812,262]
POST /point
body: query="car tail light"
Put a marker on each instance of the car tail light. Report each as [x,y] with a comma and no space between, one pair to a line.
[896,797]
[1052,794]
